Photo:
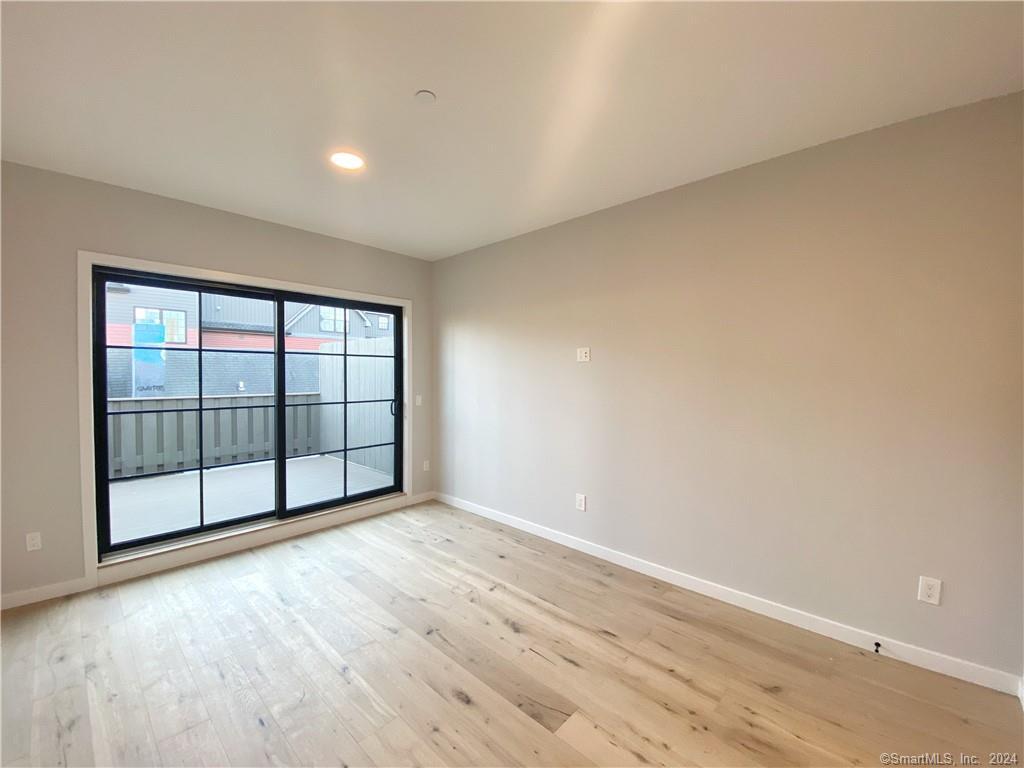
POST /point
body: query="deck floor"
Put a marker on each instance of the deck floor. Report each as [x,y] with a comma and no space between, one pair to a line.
[154,505]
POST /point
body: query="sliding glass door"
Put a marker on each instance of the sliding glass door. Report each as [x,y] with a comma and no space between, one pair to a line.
[340,434]
[220,404]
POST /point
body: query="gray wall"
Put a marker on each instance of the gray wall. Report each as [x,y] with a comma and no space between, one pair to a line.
[806,379]
[47,217]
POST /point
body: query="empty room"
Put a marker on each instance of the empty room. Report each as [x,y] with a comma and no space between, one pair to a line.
[512,384]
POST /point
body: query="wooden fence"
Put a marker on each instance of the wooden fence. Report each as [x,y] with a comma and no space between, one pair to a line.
[141,443]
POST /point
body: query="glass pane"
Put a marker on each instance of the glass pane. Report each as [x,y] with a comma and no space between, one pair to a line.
[313,479]
[329,319]
[371,378]
[152,506]
[370,469]
[174,326]
[144,379]
[368,334]
[314,378]
[236,322]
[144,443]
[237,434]
[370,424]
[235,378]
[314,429]
[143,315]
[139,315]
[313,328]
[241,491]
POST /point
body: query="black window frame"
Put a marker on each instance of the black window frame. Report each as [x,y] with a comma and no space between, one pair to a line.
[102,275]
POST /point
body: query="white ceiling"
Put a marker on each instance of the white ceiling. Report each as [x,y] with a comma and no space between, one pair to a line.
[544,111]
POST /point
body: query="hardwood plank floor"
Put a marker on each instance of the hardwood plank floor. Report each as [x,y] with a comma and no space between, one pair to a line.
[429,636]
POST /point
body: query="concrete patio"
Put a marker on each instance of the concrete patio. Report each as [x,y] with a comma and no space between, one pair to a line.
[154,505]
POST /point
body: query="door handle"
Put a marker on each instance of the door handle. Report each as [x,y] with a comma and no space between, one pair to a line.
[394,407]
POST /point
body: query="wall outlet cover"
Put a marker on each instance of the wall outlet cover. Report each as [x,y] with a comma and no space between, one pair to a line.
[929,590]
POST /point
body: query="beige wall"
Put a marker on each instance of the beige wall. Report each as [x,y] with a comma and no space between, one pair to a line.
[47,217]
[806,379]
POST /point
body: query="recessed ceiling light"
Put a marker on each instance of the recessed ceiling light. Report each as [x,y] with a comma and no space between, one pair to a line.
[425,97]
[348,161]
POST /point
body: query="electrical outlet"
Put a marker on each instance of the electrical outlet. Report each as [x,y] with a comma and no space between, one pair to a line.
[426,465]
[581,502]
[929,590]
[419,399]
[33,541]
[582,354]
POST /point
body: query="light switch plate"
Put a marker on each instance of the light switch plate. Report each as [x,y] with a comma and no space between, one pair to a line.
[582,354]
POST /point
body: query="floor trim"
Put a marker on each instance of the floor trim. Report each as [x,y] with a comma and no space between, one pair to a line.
[912,654]
[46,592]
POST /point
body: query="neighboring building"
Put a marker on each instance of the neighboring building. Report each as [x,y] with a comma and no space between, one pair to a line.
[166,322]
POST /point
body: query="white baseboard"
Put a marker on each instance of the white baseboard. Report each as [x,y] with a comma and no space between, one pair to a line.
[46,592]
[1006,682]
[218,544]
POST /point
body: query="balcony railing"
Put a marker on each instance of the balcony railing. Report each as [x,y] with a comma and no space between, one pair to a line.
[243,430]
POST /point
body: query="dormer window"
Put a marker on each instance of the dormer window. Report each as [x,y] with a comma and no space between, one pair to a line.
[332,319]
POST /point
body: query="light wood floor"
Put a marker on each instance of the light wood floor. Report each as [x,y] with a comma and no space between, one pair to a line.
[432,637]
